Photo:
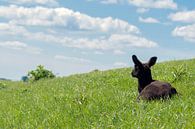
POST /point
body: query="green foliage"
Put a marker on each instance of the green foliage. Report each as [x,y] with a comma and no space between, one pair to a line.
[40,73]
[24,78]
[179,72]
[2,85]
[103,99]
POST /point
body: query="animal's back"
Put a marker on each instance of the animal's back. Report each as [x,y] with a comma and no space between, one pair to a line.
[156,90]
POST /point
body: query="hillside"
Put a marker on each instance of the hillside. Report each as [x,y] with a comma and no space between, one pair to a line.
[100,99]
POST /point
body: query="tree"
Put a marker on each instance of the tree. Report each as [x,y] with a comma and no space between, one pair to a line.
[24,78]
[40,73]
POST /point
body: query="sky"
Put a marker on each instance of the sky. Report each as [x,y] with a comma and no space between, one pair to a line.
[78,36]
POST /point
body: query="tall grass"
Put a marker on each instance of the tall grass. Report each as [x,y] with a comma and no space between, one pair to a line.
[100,100]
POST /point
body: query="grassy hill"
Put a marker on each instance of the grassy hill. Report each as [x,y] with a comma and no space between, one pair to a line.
[100,100]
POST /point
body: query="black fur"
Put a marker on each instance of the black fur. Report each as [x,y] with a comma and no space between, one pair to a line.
[148,88]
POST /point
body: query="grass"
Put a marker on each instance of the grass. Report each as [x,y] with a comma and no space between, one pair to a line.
[99,100]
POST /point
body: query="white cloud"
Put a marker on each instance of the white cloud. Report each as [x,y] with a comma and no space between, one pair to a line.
[142,10]
[187,32]
[119,41]
[83,31]
[13,45]
[148,20]
[109,1]
[20,46]
[120,64]
[185,16]
[41,16]
[159,4]
[119,52]
[111,43]
[11,29]
[131,41]
[30,2]
[72,59]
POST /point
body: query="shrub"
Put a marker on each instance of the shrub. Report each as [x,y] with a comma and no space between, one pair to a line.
[2,85]
[24,78]
[40,73]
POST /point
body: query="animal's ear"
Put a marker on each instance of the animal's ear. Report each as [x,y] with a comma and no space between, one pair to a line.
[136,61]
[152,61]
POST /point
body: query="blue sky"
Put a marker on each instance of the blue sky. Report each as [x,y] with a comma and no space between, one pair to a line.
[76,36]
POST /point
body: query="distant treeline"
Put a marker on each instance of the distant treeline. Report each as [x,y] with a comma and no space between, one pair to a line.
[4,79]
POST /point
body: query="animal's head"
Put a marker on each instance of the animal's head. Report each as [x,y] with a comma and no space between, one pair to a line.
[142,70]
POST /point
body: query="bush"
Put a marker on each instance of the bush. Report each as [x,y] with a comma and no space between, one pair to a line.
[40,73]
[24,78]
[2,85]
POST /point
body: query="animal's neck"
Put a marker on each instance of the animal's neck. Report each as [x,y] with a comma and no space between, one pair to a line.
[143,82]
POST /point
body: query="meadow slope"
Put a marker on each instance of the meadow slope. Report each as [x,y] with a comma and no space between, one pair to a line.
[100,99]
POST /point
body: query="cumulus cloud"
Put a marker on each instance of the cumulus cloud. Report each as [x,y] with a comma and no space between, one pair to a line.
[11,29]
[187,32]
[32,2]
[41,16]
[17,45]
[131,41]
[120,64]
[142,10]
[83,31]
[109,1]
[159,4]
[72,59]
[13,45]
[115,41]
[119,52]
[148,20]
[112,42]
[185,16]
